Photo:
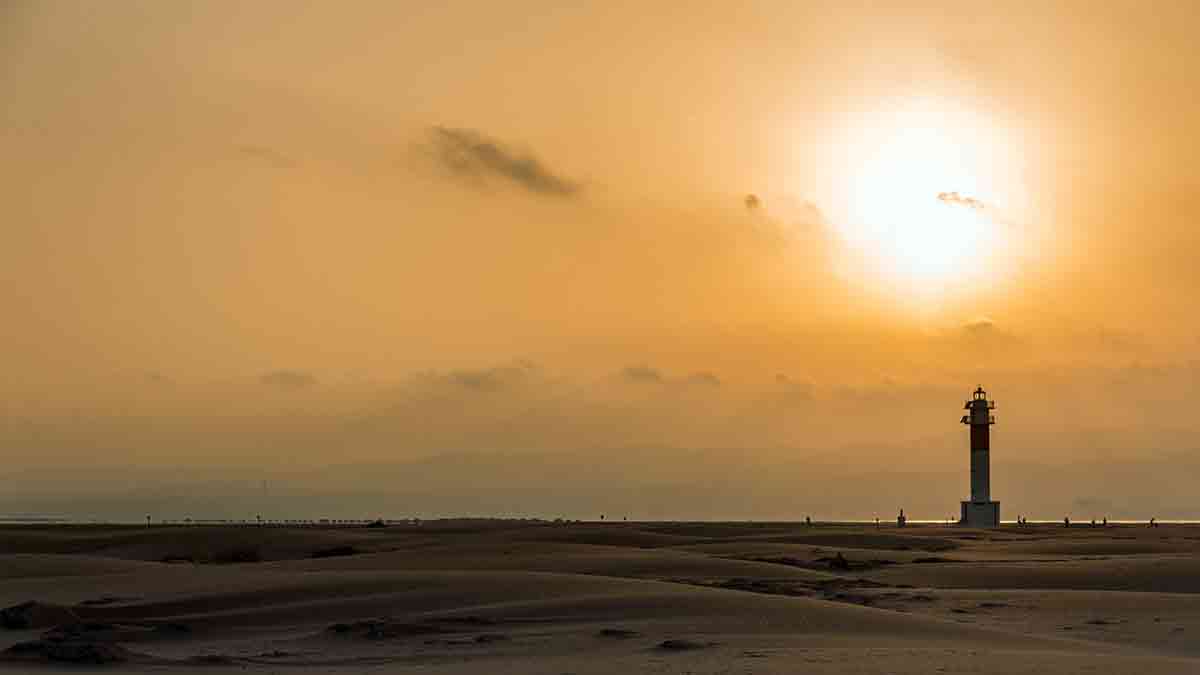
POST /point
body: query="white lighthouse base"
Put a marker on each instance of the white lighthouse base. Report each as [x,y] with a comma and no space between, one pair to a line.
[980,514]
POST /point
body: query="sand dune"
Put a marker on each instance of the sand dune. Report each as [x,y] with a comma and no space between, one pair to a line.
[526,597]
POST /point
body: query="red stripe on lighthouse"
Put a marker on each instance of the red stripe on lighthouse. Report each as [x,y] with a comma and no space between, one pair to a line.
[980,438]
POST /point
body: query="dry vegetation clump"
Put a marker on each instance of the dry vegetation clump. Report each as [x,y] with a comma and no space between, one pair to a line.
[68,651]
[28,615]
[681,645]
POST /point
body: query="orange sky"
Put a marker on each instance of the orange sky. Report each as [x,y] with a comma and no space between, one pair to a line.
[525,226]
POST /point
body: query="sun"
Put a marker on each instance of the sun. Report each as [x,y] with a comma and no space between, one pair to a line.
[919,190]
[894,206]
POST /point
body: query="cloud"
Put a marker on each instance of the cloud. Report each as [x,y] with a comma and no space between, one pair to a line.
[156,377]
[955,199]
[780,220]
[287,379]
[646,374]
[642,374]
[471,154]
[983,331]
[704,378]
[268,155]
[795,388]
[492,379]
[980,326]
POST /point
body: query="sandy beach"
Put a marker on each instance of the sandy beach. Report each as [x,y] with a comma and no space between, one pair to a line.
[533,597]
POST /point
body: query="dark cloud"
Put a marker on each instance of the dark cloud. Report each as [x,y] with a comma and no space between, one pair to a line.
[471,154]
[752,202]
[642,374]
[955,199]
[287,379]
[268,155]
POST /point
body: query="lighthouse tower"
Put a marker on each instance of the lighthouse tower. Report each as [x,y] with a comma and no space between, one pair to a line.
[980,510]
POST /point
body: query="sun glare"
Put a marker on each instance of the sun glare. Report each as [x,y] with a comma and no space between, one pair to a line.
[918,193]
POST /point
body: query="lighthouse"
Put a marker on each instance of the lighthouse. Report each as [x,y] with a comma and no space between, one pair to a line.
[980,510]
